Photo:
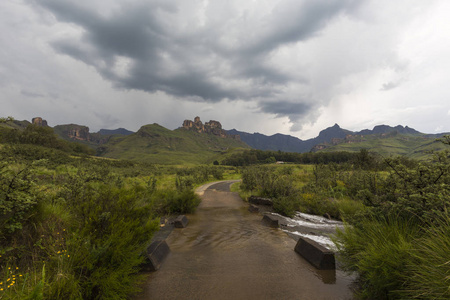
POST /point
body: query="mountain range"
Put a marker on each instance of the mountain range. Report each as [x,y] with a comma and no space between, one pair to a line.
[382,139]
[198,142]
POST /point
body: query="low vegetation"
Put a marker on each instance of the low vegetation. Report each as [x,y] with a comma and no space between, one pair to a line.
[74,226]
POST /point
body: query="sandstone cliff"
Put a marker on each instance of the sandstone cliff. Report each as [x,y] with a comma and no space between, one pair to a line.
[211,127]
[39,122]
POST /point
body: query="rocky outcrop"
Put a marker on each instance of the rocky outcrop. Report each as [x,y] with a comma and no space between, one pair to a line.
[211,127]
[39,122]
[73,132]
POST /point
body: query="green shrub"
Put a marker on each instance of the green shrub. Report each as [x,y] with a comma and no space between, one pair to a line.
[111,229]
[285,206]
[183,202]
[17,201]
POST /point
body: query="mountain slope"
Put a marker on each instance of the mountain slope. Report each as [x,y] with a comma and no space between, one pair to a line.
[418,146]
[121,131]
[156,144]
[383,139]
[289,143]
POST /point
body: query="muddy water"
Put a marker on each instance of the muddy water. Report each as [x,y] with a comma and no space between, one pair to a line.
[227,253]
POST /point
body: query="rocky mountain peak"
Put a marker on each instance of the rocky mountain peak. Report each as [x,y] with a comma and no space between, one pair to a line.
[211,127]
[39,122]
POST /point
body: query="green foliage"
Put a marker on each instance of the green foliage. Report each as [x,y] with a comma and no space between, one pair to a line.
[85,221]
[16,198]
[285,206]
[429,276]
[253,157]
[379,249]
[182,202]
[6,120]
[273,183]
[400,244]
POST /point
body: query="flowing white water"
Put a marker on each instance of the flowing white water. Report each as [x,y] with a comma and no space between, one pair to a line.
[316,228]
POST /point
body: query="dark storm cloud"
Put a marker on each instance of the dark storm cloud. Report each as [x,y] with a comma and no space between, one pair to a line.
[201,63]
[293,110]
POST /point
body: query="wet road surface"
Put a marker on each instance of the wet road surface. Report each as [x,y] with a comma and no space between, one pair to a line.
[227,253]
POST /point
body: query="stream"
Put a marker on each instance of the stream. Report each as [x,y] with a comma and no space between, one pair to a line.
[226,252]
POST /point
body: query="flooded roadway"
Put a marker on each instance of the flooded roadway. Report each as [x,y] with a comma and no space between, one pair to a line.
[227,253]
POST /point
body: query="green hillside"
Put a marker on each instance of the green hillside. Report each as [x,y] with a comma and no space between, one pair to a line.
[156,144]
[410,145]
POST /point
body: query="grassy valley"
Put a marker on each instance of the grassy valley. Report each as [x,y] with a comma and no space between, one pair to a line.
[156,144]
[394,144]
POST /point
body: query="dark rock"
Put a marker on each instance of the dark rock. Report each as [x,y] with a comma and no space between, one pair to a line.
[260,201]
[316,254]
[39,122]
[156,253]
[180,222]
[270,220]
[253,208]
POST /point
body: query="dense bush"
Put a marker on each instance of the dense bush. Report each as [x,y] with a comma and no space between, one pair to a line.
[75,227]
[17,201]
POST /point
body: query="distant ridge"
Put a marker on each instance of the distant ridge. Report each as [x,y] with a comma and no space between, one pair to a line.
[328,138]
[289,143]
[120,131]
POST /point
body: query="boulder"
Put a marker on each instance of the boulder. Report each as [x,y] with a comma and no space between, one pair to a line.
[316,254]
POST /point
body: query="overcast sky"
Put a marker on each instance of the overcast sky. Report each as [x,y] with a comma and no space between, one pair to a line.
[288,66]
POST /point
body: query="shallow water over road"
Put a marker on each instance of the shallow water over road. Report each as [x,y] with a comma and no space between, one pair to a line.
[227,253]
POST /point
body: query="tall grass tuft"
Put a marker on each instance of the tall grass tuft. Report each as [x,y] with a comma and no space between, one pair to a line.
[430,267]
[379,250]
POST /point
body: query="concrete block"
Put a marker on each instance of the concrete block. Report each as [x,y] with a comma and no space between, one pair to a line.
[253,208]
[156,253]
[316,254]
[270,220]
[260,201]
[180,222]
